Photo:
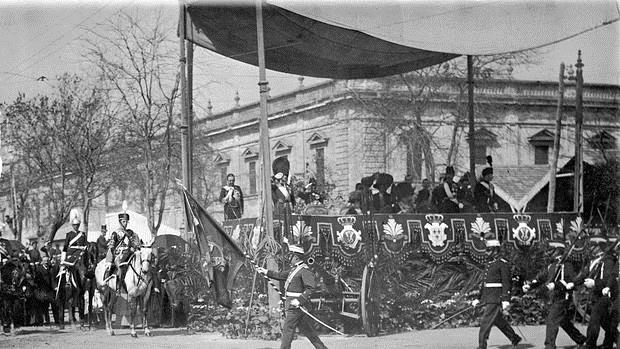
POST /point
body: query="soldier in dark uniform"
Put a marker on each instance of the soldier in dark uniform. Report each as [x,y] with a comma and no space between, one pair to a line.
[74,250]
[121,246]
[232,198]
[600,278]
[298,285]
[484,193]
[495,295]
[559,279]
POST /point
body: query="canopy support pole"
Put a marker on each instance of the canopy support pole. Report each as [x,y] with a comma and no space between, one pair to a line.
[578,184]
[265,149]
[556,143]
[470,114]
[185,118]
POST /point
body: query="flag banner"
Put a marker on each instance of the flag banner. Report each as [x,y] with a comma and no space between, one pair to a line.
[224,257]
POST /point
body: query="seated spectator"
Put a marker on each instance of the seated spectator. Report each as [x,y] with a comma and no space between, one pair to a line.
[404,198]
[423,199]
[464,193]
[355,202]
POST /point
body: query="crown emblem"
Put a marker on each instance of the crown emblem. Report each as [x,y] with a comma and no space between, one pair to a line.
[434,218]
[436,228]
[522,218]
[347,220]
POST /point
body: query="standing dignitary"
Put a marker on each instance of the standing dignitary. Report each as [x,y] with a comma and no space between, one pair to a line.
[232,198]
[600,278]
[298,285]
[484,193]
[559,279]
[495,295]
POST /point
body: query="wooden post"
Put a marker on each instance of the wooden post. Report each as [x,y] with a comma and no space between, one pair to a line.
[265,149]
[577,200]
[470,114]
[184,104]
[556,143]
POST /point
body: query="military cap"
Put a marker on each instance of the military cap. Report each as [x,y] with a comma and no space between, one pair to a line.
[124,215]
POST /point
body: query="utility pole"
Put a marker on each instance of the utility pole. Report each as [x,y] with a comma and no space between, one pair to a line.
[470,114]
[578,195]
[556,143]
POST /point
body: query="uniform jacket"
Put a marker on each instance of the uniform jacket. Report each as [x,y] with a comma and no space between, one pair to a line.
[121,244]
[555,274]
[604,273]
[497,271]
[73,247]
[302,283]
[236,201]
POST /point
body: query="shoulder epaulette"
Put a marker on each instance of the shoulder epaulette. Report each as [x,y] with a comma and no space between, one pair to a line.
[503,260]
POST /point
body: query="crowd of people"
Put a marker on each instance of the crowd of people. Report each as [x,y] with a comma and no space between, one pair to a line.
[380,194]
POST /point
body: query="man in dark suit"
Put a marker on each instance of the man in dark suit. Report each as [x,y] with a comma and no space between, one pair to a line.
[495,295]
[232,198]
[102,244]
[484,193]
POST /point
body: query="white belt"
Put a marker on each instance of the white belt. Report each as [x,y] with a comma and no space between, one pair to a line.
[293,294]
[493,284]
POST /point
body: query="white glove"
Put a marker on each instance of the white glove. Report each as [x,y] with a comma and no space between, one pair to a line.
[526,288]
[505,305]
[461,206]
[589,283]
[475,302]
[605,291]
[261,270]
[570,286]
[550,286]
[295,303]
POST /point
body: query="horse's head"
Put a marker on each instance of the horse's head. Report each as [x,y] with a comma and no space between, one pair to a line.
[146,258]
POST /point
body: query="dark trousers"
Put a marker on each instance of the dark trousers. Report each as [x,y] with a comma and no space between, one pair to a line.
[295,318]
[493,317]
[602,316]
[559,316]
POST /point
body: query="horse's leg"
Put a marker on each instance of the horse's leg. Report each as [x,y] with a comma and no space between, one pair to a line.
[145,318]
[133,309]
[90,303]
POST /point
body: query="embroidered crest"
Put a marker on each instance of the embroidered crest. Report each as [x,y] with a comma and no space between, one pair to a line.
[480,228]
[436,227]
[393,231]
[523,233]
[348,236]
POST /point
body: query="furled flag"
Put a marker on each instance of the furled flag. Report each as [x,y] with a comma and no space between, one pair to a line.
[223,255]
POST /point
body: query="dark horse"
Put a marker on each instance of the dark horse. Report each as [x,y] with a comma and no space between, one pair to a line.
[70,289]
[13,285]
[90,284]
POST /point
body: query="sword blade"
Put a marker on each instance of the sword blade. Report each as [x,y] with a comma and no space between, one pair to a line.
[320,322]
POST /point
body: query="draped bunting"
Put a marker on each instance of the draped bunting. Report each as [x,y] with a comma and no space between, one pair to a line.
[352,240]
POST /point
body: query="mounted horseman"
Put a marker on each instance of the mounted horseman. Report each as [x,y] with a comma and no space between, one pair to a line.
[121,246]
[73,263]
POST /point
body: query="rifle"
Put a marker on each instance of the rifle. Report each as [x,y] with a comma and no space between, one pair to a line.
[567,253]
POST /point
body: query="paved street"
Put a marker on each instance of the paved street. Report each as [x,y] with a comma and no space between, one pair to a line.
[44,337]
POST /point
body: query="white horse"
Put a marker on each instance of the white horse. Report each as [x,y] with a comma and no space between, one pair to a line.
[138,281]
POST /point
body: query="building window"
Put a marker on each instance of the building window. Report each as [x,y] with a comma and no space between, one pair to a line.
[252,176]
[541,155]
[480,154]
[319,162]
[223,175]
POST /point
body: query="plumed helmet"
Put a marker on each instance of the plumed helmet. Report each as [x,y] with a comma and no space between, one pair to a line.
[487,171]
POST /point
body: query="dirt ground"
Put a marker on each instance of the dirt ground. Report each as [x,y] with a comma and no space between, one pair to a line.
[51,337]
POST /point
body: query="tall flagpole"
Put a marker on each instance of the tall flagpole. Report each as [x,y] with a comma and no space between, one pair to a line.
[185,151]
[265,149]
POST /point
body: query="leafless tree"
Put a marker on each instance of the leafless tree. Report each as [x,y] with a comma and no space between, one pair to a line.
[136,59]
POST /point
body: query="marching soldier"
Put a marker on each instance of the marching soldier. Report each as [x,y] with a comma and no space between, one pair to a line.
[495,295]
[600,278]
[74,249]
[122,244]
[298,286]
[559,279]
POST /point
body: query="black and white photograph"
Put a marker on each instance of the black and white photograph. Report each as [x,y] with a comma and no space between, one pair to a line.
[262,174]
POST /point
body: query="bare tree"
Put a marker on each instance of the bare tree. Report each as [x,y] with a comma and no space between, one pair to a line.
[136,60]
[401,111]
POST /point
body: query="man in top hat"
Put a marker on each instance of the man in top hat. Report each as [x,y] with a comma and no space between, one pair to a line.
[495,295]
[484,193]
[298,286]
[122,244]
[559,279]
[102,243]
[600,278]
[74,249]
[449,203]
[382,200]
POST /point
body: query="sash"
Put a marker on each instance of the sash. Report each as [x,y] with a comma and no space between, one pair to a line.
[292,275]
[488,186]
[75,239]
